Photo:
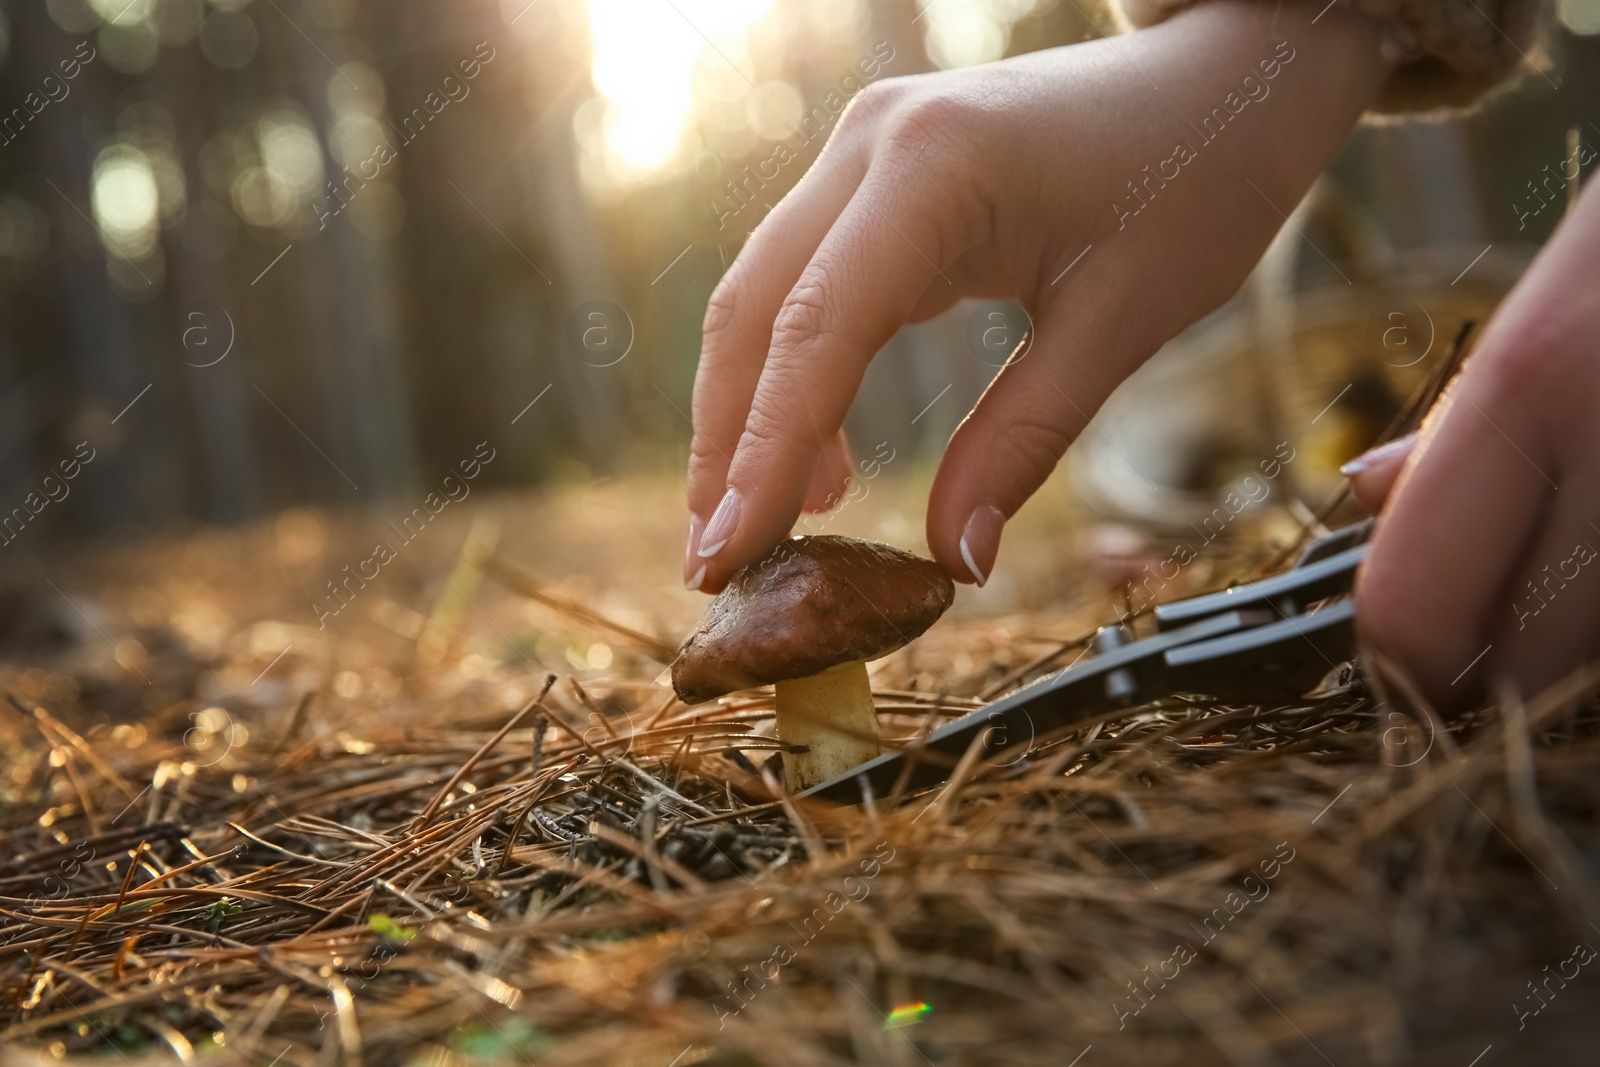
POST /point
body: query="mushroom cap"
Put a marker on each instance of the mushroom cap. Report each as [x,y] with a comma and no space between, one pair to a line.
[810,604]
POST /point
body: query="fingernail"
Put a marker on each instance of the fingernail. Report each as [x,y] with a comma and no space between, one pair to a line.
[724,521]
[980,540]
[693,584]
[1373,457]
[692,545]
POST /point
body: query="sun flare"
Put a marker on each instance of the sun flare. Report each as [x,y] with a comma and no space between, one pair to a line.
[645,57]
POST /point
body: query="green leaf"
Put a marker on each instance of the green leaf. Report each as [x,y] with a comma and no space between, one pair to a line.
[388,929]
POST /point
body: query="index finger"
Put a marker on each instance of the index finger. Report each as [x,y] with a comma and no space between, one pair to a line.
[738,331]
[861,285]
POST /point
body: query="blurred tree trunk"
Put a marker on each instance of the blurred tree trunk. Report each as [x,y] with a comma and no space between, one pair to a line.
[224,409]
[478,180]
[342,284]
[546,170]
[130,479]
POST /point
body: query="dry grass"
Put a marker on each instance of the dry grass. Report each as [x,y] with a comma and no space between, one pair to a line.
[428,874]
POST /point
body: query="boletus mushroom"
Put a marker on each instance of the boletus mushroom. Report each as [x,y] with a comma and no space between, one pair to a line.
[806,619]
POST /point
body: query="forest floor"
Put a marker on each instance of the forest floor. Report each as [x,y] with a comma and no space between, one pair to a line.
[257,810]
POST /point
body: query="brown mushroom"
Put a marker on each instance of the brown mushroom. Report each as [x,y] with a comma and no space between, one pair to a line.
[806,619]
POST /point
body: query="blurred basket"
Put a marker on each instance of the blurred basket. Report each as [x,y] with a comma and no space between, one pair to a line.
[1315,375]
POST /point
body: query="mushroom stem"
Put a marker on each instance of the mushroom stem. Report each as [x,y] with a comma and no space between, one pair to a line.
[832,717]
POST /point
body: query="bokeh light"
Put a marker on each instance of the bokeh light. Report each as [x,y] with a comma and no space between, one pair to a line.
[126,200]
[279,170]
[355,96]
[964,33]
[1579,16]
[229,39]
[74,16]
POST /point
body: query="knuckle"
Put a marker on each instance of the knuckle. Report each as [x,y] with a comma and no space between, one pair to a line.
[1034,443]
[707,470]
[1513,375]
[704,453]
[1534,365]
[726,297]
[763,431]
[942,123]
[769,440]
[776,429]
[870,105]
[803,318]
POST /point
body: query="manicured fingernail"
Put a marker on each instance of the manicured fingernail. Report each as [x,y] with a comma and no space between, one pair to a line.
[691,546]
[980,540]
[724,521]
[1373,457]
[699,576]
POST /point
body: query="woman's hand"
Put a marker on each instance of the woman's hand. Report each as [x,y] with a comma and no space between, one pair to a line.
[1484,562]
[1119,189]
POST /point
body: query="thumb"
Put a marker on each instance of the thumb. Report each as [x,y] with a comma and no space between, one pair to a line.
[1373,473]
[1007,446]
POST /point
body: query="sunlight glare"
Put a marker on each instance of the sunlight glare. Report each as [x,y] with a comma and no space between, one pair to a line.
[645,57]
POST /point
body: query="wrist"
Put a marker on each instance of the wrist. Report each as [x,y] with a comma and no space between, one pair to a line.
[1338,26]
[1342,46]
[1308,68]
